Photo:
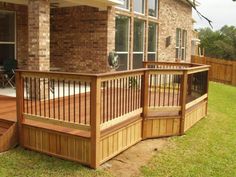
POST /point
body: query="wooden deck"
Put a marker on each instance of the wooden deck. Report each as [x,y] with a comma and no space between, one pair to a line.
[90,118]
[8,108]
[8,125]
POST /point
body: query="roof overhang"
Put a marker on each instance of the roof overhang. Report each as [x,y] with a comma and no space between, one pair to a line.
[69,3]
[193,2]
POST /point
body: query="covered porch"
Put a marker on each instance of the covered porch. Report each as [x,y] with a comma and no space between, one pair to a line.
[69,35]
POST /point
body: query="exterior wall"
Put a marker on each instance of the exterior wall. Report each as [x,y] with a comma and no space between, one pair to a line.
[81,38]
[39,35]
[21,31]
[173,14]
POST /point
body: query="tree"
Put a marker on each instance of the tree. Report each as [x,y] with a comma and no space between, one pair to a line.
[219,44]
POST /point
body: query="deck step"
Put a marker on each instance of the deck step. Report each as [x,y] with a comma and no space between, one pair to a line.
[8,135]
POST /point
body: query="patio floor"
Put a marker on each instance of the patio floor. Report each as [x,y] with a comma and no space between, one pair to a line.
[8,108]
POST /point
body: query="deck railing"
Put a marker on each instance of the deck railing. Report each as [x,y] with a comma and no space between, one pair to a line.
[97,102]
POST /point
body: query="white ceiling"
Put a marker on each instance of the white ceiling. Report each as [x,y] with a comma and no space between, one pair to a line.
[68,3]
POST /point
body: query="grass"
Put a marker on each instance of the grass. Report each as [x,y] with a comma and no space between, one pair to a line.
[208,149]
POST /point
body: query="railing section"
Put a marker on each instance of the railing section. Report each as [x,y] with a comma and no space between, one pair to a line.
[76,100]
[120,96]
[57,98]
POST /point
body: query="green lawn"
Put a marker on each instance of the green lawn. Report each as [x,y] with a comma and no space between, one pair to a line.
[208,149]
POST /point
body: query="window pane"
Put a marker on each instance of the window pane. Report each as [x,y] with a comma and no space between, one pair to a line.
[152,57]
[138,35]
[125,5]
[7,51]
[178,37]
[122,33]
[7,26]
[139,6]
[152,37]
[137,61]
[184,38]
[152,8]
[123,62]
[177,53]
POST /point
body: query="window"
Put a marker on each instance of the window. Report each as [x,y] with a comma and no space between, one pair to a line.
[138,44]
[125,5]
[139,6]
[152,8]
[181,43]
[7,36]
[121,41]
[152,41]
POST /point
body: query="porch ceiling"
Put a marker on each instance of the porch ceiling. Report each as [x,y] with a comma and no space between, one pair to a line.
[70,3]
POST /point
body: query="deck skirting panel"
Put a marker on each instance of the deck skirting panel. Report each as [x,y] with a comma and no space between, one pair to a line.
[195,115]
[118,141]
[61,145]
[161,127]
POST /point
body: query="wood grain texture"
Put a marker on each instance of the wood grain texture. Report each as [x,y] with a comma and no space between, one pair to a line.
[61,145]
[195,115]
[8,108]
[118,141]
[8,135]
[223,71]
[161,127]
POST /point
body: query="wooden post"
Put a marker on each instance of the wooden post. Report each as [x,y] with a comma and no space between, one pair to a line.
[19,105]
[183,97]
[234,73]
[145,87]
[95,121]
[207,90]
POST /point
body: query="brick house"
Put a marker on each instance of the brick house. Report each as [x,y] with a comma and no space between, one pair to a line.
[78,35]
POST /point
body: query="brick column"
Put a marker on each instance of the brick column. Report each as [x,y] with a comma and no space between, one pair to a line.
[39,43]
[39,35]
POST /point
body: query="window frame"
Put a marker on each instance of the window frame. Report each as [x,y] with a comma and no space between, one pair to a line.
[183,36]
[15,37]
[156,41]
[139,52]
[144,8]
[124,9]
[157,10]
[128,44]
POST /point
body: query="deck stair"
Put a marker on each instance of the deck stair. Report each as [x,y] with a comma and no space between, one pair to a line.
[8,135]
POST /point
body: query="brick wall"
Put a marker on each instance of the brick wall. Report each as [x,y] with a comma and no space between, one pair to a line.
[81,38]
[173,14]
[39,35]
[21,31]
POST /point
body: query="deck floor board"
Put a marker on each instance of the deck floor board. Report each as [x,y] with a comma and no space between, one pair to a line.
[8,108]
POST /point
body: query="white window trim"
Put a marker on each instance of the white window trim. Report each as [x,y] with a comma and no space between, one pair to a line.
[180,47]
[157,11]
[156,50]
[124,9]
[144,9]
[128,51]
[140,52]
